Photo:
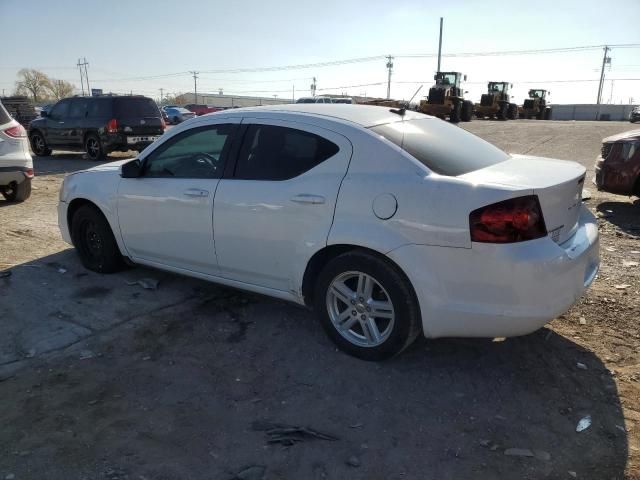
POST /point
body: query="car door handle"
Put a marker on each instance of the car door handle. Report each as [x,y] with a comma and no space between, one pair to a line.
[308,198]
[196,192]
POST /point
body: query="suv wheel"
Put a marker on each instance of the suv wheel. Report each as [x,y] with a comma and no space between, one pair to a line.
[39,145]
[17,192]
[93,147]
[94,241]
[366,306]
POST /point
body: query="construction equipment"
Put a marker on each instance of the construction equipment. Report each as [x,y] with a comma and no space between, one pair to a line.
[536,105]
[446,98]
[496,102]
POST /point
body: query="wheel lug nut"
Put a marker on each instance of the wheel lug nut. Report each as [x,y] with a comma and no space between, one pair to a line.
[353,302]
[361,299]
[368,309]
[363,317]
[354,313]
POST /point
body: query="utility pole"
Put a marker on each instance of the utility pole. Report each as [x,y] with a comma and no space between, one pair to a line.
[161,95]
[81,76]
[390,68]
[195,85]
[313,87]
[86,76]
[605,60]
[293,93]
[440,45]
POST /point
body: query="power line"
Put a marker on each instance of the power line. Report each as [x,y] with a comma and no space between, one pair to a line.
[357,60]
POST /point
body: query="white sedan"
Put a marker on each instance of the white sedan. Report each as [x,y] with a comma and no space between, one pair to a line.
[16,165]
[388,222]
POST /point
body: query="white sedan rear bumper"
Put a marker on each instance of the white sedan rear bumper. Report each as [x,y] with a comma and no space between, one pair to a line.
[493,290]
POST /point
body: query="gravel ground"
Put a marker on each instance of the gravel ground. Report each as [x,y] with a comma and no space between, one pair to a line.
[104,380]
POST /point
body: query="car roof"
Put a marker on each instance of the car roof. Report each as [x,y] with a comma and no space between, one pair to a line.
[364,115]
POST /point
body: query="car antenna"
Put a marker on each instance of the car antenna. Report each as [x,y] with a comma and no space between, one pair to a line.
[403,110]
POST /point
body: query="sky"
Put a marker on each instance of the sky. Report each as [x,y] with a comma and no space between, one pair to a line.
[143,46]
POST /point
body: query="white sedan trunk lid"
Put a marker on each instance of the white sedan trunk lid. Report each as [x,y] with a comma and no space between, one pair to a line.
[557,183]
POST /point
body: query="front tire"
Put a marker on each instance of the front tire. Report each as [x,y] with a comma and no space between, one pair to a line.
[467,111]
[94,241]
[456,112]
[513,111]
[93,147]
[17,192]
[39,145]
[367,306]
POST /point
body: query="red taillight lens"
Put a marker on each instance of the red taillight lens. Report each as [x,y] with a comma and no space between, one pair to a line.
[112,126]
[514,220]
[15,132]
[29,173]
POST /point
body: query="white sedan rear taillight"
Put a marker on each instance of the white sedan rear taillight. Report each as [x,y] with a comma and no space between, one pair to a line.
[509,221]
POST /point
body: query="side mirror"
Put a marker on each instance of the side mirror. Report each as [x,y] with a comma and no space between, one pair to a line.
[512,85]
[435,77]
[44,113]
[132,169]
[466,91]
[465,78]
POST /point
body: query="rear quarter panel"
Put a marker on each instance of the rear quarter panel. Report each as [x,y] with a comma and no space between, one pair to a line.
[431,209]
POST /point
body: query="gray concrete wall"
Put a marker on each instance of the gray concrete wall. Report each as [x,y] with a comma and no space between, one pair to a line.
[590,112]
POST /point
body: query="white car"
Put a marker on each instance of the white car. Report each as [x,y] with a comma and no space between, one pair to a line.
[388,222]
[16,165]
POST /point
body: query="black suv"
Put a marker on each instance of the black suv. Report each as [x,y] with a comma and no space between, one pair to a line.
[97,125]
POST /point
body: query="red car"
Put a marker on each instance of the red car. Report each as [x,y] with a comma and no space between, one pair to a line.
[618,166]
[201,109]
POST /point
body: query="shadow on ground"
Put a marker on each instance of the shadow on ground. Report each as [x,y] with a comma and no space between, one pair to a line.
[170,384]
[624,215]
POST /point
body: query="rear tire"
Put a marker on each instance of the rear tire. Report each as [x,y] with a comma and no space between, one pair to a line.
[93,147]
[39,145]
[512,113]
[351,289]
[467,111]
[547,113]
[94,241]
[17,192]
[456,112]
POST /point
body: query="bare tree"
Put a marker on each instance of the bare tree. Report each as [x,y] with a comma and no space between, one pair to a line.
[32,82]
[60,89]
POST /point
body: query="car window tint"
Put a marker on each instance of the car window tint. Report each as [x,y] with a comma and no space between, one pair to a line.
[60,109]
[444,148]
[279,153]
[135,107]
[196,153]
[78,108]
[99,108]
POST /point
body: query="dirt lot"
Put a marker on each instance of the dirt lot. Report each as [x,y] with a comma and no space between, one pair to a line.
[104,380]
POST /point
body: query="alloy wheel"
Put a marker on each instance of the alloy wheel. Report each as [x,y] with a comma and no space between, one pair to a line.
[360,309]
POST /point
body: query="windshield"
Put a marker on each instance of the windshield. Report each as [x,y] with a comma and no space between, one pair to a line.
[135,107]
[306,100]
[440,146]
[447,78]
[496,87]
[536,93]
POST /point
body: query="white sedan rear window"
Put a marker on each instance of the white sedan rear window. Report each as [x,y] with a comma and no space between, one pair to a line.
[443,148]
